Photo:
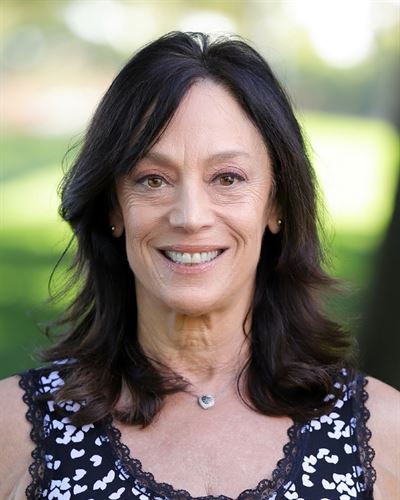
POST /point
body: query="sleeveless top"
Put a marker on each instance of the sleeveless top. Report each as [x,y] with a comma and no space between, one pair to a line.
[327,458]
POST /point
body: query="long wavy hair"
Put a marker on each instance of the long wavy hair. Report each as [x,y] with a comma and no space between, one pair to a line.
[296,351]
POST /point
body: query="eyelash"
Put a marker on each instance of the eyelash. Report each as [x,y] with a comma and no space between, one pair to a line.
[235,175]
[145,178]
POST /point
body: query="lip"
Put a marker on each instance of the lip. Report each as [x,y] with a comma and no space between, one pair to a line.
[194,268]
[192,248]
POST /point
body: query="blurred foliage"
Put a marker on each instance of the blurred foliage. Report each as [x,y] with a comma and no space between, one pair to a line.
[368,88]
[33,239]
[38,39]
[54,75]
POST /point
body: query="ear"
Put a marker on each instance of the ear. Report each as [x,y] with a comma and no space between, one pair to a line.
[116,222]
[274,220]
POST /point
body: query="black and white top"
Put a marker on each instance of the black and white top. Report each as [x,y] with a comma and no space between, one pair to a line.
[328,458]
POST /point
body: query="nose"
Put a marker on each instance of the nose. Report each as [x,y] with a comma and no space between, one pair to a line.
[192,208]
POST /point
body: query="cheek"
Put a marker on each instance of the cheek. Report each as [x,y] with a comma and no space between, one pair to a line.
[247,228]
[136,228]
[139,220]
[253,213]
[142,226]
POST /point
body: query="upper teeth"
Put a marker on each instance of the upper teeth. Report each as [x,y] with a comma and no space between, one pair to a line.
[192,258]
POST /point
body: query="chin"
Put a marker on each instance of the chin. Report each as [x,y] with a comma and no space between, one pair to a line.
[193,305]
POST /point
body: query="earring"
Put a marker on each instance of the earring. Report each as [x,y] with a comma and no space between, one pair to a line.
[113,228]
[280,222]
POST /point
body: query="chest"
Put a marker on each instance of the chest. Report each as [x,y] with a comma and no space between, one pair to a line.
[223,452]
[210,453]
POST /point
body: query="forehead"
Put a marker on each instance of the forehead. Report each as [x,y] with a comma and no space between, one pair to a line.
[209,119]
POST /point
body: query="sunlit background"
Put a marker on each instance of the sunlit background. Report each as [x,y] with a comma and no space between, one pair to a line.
[339,61]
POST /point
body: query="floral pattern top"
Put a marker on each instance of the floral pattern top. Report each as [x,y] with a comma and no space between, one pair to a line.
[327,458]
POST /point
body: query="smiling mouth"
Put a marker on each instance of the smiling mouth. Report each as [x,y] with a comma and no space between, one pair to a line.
[191,259]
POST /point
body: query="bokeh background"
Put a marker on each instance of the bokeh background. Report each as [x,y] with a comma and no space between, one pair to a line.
[339,61]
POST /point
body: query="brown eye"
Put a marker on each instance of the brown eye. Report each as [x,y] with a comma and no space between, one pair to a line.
[154,182]
[226,180]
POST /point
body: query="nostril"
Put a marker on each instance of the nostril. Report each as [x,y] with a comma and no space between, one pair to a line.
[191,214]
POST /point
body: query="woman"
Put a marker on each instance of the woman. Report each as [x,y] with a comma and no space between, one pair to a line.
[196,348]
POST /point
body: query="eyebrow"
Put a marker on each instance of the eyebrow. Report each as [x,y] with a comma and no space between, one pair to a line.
[163,159]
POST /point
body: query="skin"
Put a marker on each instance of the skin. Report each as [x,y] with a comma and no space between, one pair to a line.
[183,196]
[206,185]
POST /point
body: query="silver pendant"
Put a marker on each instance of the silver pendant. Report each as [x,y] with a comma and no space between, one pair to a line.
[206,401]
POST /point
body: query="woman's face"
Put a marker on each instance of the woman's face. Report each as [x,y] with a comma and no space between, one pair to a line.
[194,210]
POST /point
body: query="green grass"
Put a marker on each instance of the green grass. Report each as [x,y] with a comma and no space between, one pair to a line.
[349,154]
[32,238]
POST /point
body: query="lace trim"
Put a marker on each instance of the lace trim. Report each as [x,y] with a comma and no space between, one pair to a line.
[34,416]
[366,452]
[264,489]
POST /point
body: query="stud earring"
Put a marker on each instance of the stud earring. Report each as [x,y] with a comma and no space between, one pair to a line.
[280,222]
[113,228]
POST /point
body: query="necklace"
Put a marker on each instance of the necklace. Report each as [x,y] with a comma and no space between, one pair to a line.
[207,401]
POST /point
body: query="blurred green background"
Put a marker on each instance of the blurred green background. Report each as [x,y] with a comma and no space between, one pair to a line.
[339,62]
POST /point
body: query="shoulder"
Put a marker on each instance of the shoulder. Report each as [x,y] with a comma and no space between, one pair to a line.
[15,443]
[383,404]
[13,422]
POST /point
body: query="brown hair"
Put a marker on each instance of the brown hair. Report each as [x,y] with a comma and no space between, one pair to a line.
[296,352]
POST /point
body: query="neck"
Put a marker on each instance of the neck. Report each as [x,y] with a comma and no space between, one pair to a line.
[207,349]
